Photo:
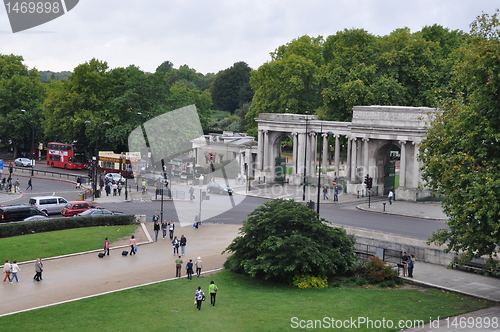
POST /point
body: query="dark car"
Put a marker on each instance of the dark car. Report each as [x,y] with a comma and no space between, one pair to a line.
[153,179]
[18,212]
[219,188]
[98,212]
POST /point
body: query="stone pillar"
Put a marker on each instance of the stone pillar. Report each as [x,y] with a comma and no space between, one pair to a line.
[265,164]
[349,161]
[366,164]
[337,155]
[311,154]
[260,147]
[354,164]
[295,155]
[324,159]
[416,164]
[301,146]
[402,165]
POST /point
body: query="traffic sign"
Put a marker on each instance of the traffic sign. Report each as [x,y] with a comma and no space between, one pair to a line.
[210,156]
[334,183]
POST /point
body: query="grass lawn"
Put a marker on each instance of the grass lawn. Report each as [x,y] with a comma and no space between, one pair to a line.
[31,246]
[243,304]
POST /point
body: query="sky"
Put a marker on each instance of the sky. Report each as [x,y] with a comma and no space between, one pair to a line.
[212,35]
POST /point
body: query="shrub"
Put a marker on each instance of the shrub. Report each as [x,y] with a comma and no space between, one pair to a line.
[358,269]
[387,283]
[378,271]
[361,282]
[307,281]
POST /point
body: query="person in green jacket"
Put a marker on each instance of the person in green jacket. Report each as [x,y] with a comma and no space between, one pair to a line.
[212,289]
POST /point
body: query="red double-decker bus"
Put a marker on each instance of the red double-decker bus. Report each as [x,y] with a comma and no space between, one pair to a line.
[69,156]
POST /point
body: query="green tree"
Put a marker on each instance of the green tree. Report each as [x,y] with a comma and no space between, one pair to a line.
[231,88]
[20,89]
[283,238]
[461,155]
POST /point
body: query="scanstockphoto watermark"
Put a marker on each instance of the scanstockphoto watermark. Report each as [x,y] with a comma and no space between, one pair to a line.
[25,15]
[354,323]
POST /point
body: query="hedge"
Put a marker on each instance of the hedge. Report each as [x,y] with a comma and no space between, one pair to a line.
[56,224]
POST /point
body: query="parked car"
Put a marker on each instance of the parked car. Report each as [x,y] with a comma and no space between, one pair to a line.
[48,204]
[98,212]
[219,188]
[36,217]
[152,179]
[74,207]
[18,212]
[24,162]
[118,178]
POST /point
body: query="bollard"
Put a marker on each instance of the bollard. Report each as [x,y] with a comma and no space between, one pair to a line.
[384,205]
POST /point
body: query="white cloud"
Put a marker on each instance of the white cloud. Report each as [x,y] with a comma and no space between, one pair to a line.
[212,35]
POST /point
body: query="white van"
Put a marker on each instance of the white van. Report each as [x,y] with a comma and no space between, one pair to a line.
[48,204]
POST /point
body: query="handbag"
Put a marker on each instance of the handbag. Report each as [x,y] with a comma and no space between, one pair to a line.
[203,298]
[136,249]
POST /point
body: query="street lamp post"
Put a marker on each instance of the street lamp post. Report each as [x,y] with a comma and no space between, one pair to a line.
[305,160]
[95,163]
[32,144]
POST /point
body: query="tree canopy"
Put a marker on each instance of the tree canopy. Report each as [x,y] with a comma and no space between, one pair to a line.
[461,154]
[283,238]
[231,88]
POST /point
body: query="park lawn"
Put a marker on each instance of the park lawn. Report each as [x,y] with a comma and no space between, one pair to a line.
[243,304]
[42,245]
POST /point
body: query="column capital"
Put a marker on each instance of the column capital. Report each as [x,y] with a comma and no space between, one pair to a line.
[402,141]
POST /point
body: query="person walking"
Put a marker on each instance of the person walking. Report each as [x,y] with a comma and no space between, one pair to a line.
[325,192]
[212,290]
[155,217]
[164,228]
[157,229]
[30,184]
[38,269]
[115,188]
[78,182]
[171,227]
[336,194]
[199,266]
[175,245]
[404,262]
[6,270]
[14,268]
[16,186]
[390,196]
[191,194]
[199,296]
[133,244]
[183,244]
[197,220]
[106,246]
[178,266]
[189,269]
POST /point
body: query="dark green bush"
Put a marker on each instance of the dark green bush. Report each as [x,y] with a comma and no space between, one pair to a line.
[56,224]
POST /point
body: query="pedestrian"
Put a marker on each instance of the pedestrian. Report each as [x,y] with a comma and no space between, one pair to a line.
[171,227]
[199,296]
[115,188]
[78,182]
[191,194]
[16,186]
[197,220]
[30,184]
[38,269]
[199,266]
[106,246]
[108,188]
[101,183]
[133,244]
[189,269]
[155,217]
[120,187]
[183,244]
[14,268]
[212,290]
[164,228]
[404,262]
[390,196]
[336,194]
[6,270]
[178,265]
[156,229]
[325,192]
[175,245]
[411,265]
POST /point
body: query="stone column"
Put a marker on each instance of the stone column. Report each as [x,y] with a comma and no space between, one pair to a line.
[349,161]
[301,139]
[354,164]
[295,155]
[366,165]
[402,165]
[416,164]
[311,154]
[324,159]
[337,155]
[265,164]
[260,155]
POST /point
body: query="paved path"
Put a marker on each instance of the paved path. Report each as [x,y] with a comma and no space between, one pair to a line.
[84,274]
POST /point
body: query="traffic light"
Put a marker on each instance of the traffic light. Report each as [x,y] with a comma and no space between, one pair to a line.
[369,183]
[366,179]
[11,169]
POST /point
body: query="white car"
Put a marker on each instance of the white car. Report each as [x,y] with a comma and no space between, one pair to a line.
[24,162]
[116,177]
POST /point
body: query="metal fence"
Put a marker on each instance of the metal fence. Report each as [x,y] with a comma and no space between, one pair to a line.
[365,251]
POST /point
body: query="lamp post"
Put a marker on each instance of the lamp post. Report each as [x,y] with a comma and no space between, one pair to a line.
[95,164]
[32,144]
[305,160]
